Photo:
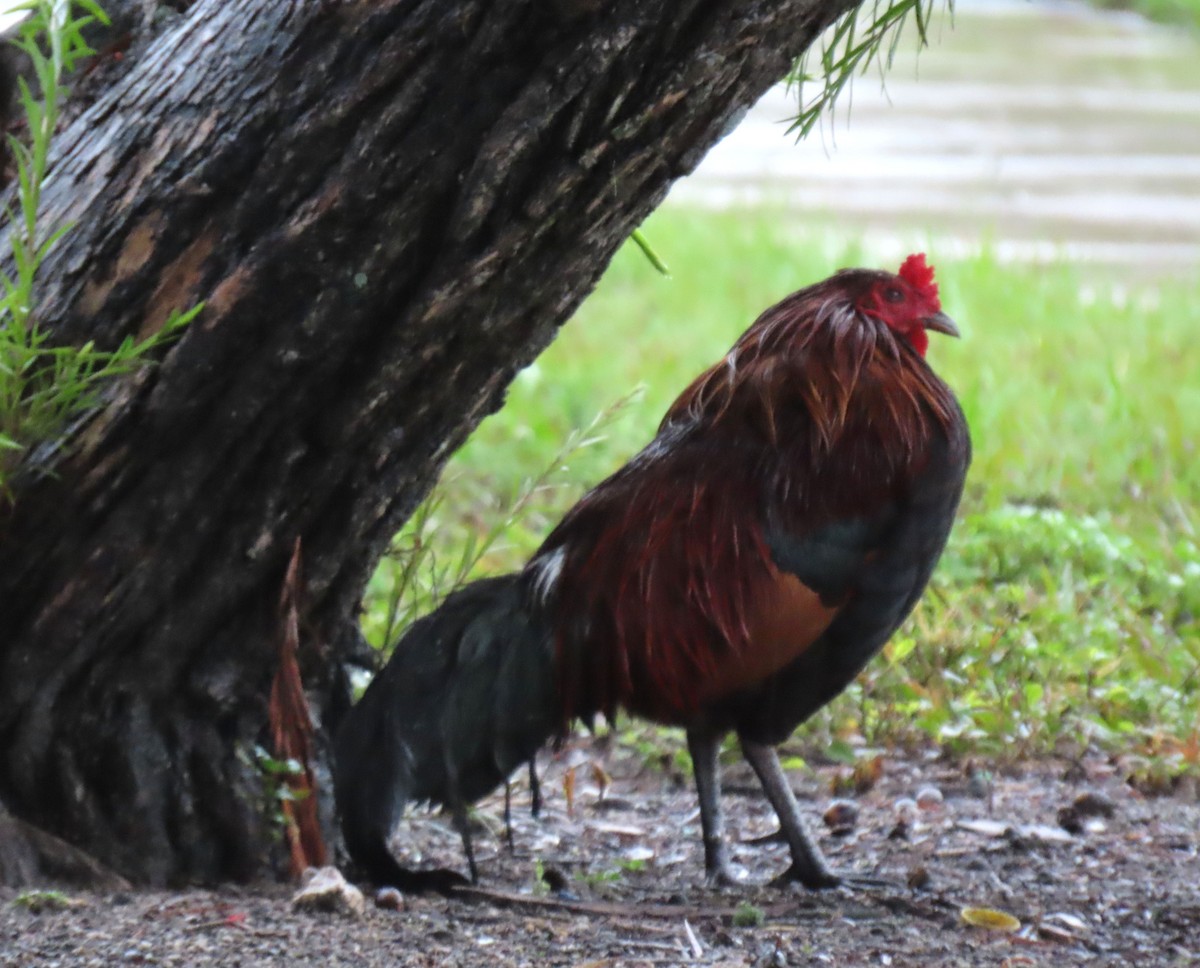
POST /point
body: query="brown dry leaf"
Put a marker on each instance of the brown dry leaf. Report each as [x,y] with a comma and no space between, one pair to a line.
[292,732]
[569,790]
[989,919]
[867,773]
[603,780]
[1050,932]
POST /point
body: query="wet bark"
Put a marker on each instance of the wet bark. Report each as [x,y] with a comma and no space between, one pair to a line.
[387,208]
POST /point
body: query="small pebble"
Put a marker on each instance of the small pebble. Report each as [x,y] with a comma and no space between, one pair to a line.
[841,817]
[930,798]
[325,889]
[389,899]
[1070,820]
[1094,804]
[979,784]
[906,810]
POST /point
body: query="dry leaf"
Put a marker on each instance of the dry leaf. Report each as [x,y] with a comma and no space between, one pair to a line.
[569,790]
[989,828]
[1071,921]
[618,829]
[603,780]
[989,919]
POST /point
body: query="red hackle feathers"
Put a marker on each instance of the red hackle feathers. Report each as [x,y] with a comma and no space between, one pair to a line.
[918,274]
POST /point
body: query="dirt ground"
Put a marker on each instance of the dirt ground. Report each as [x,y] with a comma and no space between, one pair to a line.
[1120,887]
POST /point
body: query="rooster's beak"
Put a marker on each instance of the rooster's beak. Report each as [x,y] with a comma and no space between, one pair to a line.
[941,323]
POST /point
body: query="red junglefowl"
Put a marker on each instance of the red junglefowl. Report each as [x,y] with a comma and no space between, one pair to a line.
[733,576]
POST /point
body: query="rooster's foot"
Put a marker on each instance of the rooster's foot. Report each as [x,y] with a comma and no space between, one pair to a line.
[722,876]
[821,878]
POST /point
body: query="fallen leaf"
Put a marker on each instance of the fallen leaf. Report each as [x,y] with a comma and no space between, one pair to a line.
[867,773]
[1046,834]
[989,919]
[603,780]
[989,828]
[1071,921]
[1051,932]
[617,829]
[569,790]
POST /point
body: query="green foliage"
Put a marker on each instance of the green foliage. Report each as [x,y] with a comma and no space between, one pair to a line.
[540,887]
[1182,12]
[640,240]
[39,901]
[45,388]
[1048,628]
[869,35]
[748,916]
[1065,610]
[275,776]
[866,35]
[598,878]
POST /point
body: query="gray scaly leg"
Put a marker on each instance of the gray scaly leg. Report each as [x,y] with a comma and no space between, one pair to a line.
[808,863]
[459,813]
[704,747]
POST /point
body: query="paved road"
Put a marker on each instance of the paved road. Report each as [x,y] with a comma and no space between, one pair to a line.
[1048,127]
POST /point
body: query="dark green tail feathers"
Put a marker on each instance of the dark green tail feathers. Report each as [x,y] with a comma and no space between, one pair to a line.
[467,697]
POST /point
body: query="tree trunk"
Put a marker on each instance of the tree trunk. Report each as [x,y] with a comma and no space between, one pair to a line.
[387,209]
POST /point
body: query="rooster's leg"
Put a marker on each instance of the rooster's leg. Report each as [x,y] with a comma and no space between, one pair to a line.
[808,863]
[704,747]
[508,833]
[535,787]
[463,823]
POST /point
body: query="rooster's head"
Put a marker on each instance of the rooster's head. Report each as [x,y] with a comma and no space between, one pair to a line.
[908,302]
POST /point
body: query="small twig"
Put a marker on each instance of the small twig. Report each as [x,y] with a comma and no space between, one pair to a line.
[612,910]
[240,925]
[650,945]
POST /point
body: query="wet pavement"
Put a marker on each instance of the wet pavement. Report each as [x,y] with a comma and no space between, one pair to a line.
[1046,129]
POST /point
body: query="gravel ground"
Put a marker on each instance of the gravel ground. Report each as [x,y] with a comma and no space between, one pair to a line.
[1121,886]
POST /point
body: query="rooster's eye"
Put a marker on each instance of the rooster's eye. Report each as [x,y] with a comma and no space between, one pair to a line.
[893,295]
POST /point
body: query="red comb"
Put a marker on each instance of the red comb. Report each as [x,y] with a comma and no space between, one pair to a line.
[919,275]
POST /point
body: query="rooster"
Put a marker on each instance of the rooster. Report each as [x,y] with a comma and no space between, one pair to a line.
[734,576]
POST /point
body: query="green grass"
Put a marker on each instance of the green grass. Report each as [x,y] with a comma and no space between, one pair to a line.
[1066,611]
[1185,13]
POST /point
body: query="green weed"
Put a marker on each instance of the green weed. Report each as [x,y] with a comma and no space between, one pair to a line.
[44,388]
[40,901]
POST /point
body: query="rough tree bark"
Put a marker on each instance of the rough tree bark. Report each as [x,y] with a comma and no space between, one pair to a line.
[387,207]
